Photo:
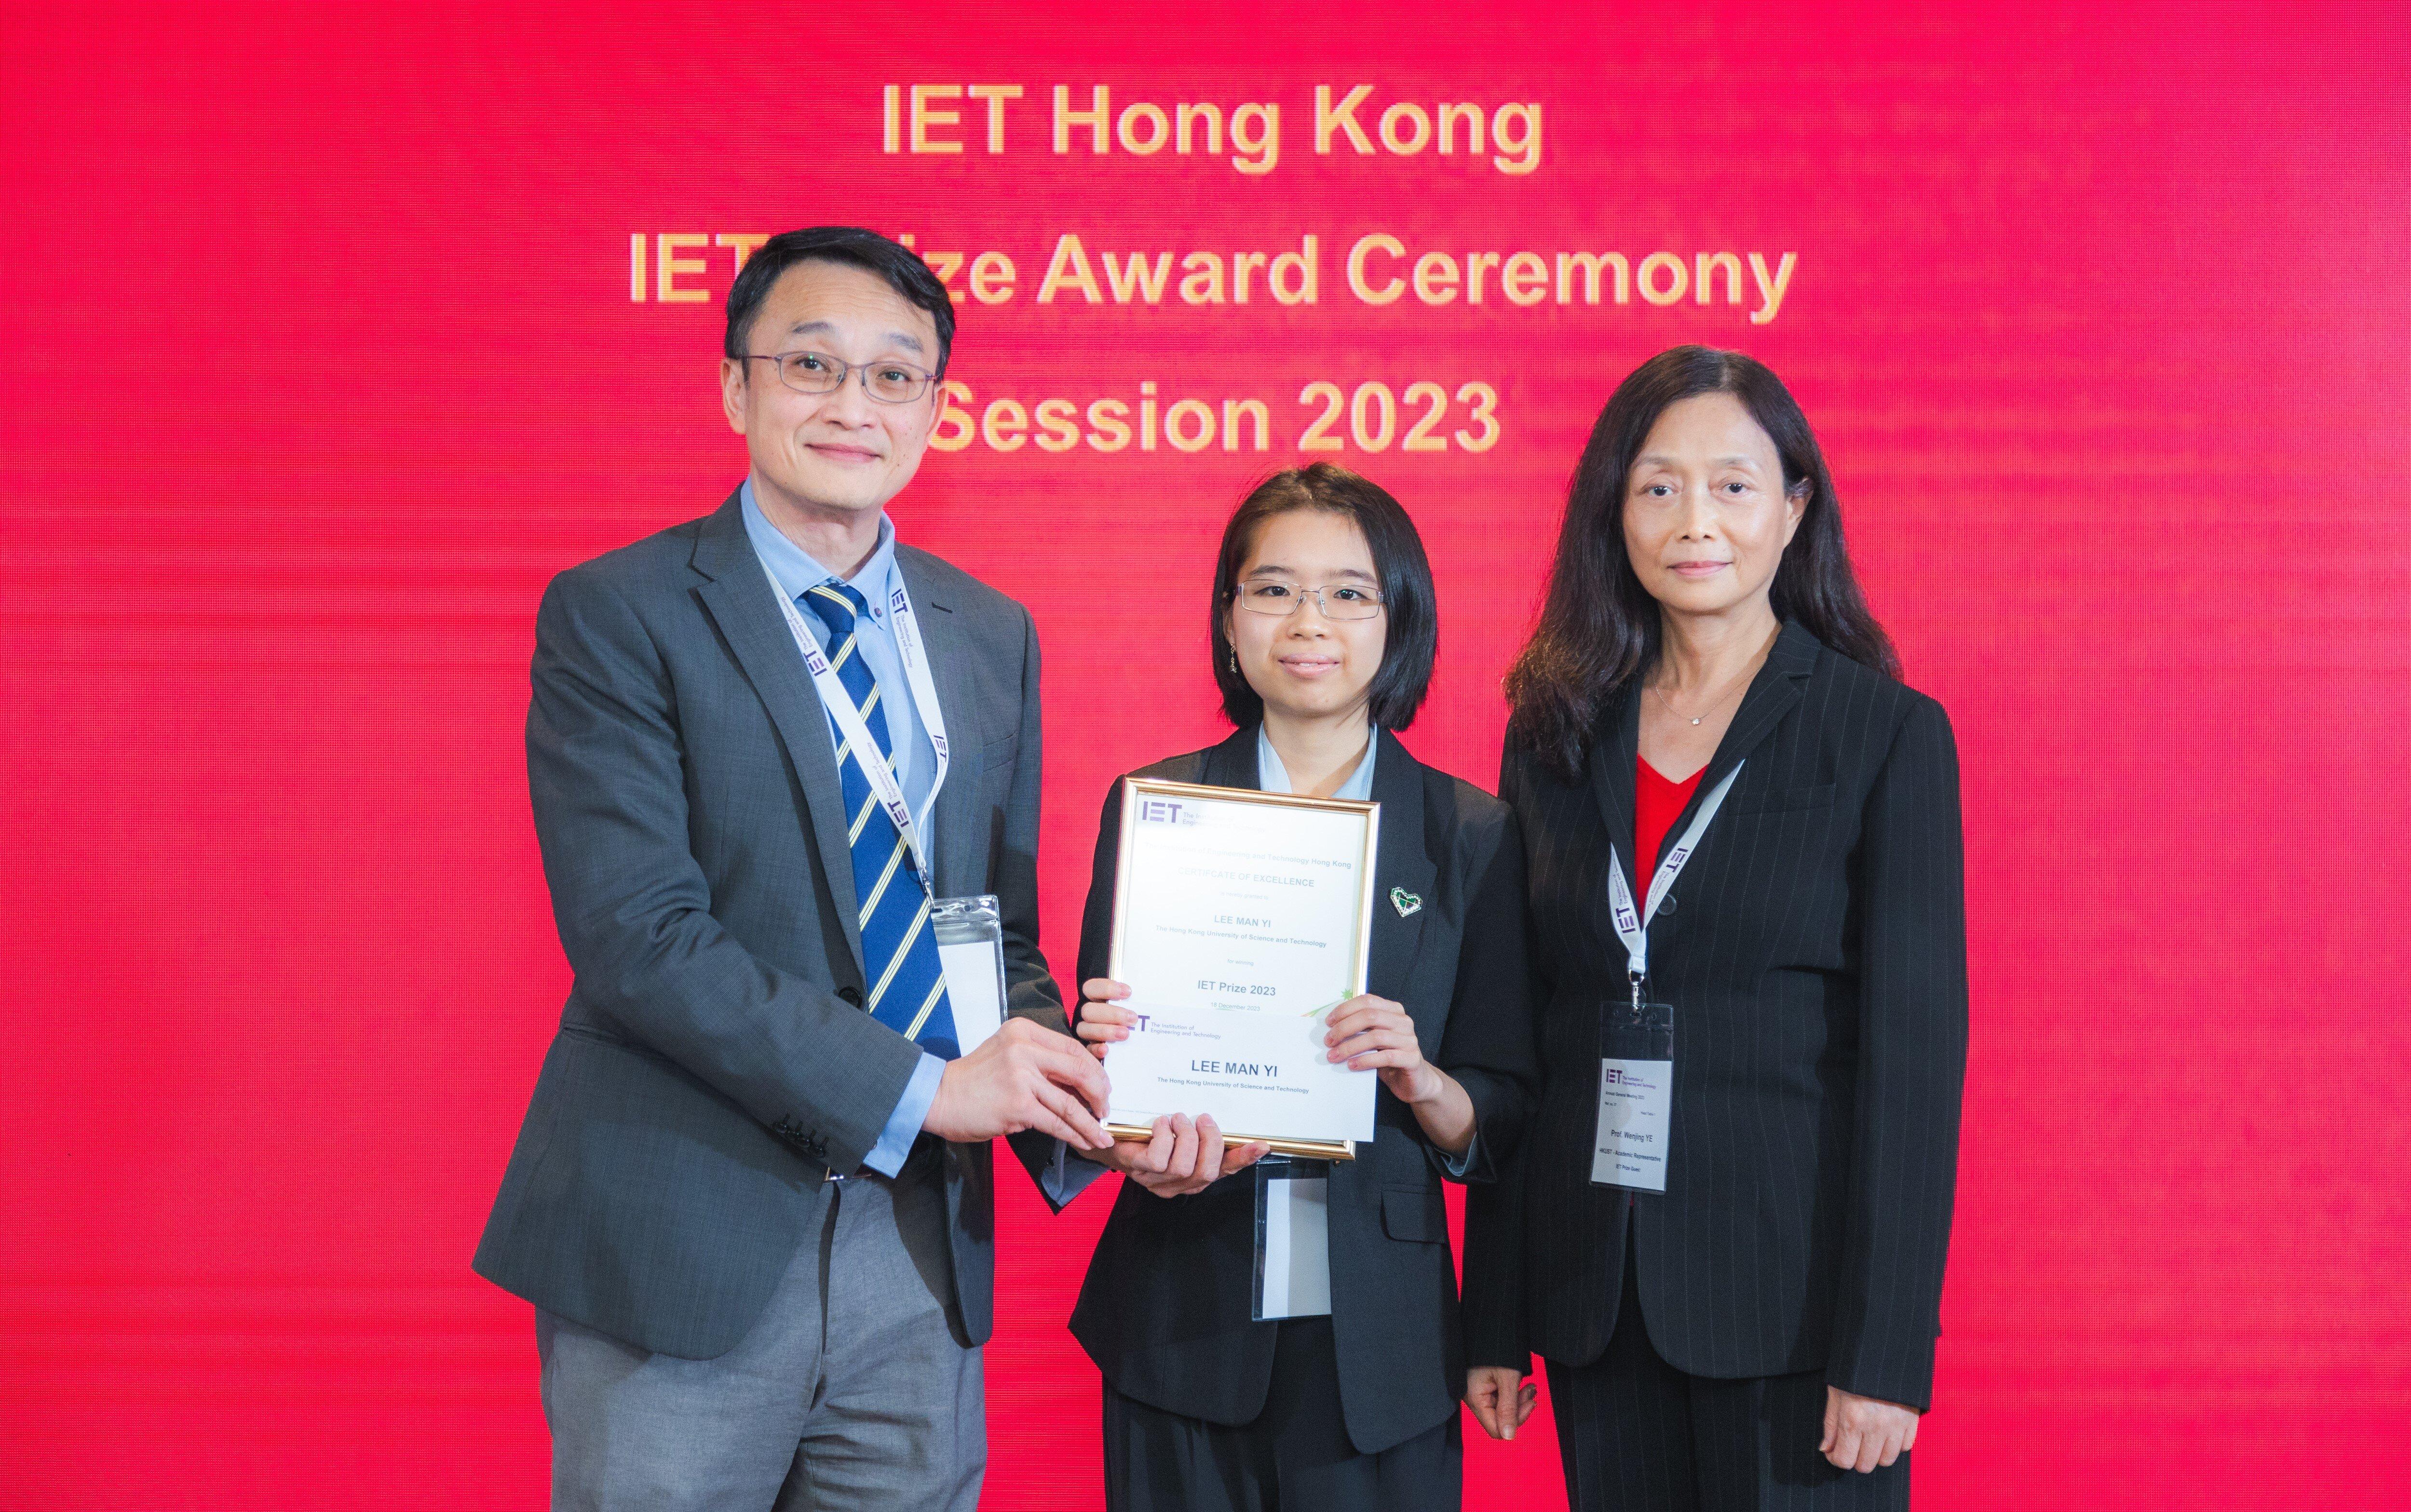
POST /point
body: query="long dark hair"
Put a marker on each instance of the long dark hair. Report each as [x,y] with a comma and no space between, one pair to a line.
[1600,627]
[1408,603]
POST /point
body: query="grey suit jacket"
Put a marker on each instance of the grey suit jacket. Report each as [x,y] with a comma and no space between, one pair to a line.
[713,1062]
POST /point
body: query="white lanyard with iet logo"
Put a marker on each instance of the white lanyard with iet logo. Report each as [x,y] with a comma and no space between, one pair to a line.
[969,931]
[856,734]
[1636,1070]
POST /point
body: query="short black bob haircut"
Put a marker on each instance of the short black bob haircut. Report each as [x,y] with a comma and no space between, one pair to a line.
[1408,603]
[854,247]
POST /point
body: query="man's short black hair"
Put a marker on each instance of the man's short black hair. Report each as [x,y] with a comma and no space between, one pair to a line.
[1409,600]
[853,246]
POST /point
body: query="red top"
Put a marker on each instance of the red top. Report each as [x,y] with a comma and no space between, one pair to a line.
[1657,803]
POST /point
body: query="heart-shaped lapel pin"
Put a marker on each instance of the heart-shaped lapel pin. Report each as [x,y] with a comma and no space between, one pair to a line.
[1404,901]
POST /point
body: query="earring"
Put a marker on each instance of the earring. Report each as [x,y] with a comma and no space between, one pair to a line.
[1234,658]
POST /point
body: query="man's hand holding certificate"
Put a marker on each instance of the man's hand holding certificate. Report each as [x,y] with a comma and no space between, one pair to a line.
[1242,919]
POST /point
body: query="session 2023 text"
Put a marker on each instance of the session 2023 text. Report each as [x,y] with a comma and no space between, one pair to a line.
[1422,415]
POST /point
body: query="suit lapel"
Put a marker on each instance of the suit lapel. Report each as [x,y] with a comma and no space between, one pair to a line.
[954,816]
[1233,764]
[1611,760]
[1777,689]
[1405,876]
[745,607]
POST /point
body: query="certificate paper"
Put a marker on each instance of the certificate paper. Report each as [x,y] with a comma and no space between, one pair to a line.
[1241,919]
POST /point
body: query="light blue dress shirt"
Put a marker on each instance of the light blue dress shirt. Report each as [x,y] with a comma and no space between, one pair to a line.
[1272,777]
[916,765]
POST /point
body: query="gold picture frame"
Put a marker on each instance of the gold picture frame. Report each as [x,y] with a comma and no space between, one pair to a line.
[1138,791]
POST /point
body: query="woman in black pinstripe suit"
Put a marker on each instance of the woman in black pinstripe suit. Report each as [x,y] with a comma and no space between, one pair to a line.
[1749,1321]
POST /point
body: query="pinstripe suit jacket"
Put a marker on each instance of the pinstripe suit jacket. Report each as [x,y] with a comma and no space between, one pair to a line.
[1815,953]
[713,1062]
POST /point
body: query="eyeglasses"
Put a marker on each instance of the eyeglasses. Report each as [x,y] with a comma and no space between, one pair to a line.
[817,373]
[1346,600]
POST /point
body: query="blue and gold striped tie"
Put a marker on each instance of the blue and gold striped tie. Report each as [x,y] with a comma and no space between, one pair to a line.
[908,987]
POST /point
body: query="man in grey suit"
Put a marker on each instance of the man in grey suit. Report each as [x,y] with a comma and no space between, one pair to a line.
[752,1197]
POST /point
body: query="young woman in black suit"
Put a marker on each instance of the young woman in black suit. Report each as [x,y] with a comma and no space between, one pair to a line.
[1759,1331]
[1323,631]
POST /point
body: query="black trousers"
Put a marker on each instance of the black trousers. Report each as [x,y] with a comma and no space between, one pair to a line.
[1636,1434]
[1294,1456]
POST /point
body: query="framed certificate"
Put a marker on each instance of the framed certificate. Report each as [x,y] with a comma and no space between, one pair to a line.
[1241,920]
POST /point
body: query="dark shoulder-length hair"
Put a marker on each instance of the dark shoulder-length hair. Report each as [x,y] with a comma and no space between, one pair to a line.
[1600,627]
[1408,603]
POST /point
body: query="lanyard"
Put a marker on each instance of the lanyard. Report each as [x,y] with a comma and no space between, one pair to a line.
[849,720]
[1632,926]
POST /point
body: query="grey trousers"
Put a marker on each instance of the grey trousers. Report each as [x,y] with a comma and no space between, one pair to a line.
[853,1391]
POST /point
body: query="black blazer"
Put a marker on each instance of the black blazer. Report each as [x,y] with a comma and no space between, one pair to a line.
[1815,953]
[1164,1311]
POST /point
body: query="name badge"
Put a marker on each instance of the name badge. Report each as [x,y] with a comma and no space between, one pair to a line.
[1636,1098]
[1293,1240]
[970,932]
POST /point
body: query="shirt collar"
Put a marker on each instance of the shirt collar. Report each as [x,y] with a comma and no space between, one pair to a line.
[797,570]
[1272,777]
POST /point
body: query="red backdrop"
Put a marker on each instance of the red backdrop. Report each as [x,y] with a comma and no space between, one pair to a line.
[324,350]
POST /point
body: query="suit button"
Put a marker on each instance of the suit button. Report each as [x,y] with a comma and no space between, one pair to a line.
[852,995]
[1666,904]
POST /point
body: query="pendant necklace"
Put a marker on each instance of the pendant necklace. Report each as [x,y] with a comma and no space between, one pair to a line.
[1703,713]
